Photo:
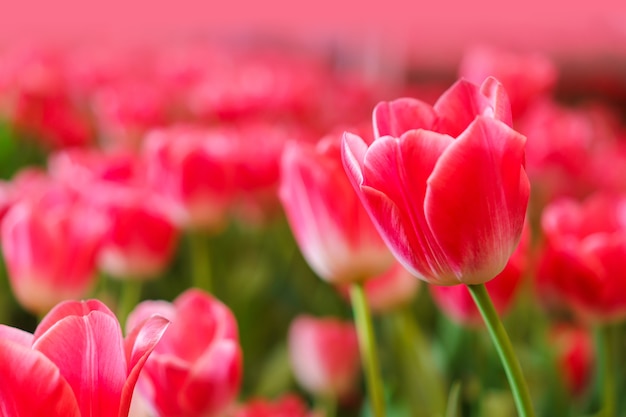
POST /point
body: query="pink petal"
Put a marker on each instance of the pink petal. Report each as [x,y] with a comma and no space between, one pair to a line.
[353,150]
[393,118]
[32,386]
[477,197]
[395,173]
[459,106]
[497,96]
[16,335]
[164,373]
[139,345]
[88,351]
[214,380]
[68,309]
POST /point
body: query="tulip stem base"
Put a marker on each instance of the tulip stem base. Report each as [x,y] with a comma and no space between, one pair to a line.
[367,345]
[200,261]
[505,350]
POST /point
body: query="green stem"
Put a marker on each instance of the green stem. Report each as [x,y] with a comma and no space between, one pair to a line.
[367,345]
[200,261]
[129,298]
[505,350]
[607,344]
[422,382]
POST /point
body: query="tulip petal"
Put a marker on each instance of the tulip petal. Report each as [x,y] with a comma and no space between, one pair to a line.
[459,105]
[16,335]
[139,345]
[214,380]
[393,118]
[394,175]
[88,351]
[31,385]
[496,94]
[68,309]
[476,199]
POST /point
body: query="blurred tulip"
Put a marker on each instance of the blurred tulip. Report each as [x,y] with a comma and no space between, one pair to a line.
[190,167]
[457,303]
[581,264]
[526,77]
[324,355]
[333,231]
[287,406]
[450,208]
[50,251]
[76,362]
[575,355]
[195,370]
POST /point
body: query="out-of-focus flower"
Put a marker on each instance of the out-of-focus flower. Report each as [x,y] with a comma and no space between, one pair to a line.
[559,139]
[50,248]
[575,355]
[75,364]
[127,110]
[324,355]
[526,77]
[447,189]
[196,368]
[457,303]
[190,168]
[287,406]
[333,230]
[35,98]
[140,239]
[581,265]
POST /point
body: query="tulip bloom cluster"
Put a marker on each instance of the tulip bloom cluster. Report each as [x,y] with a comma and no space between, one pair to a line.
[235,160]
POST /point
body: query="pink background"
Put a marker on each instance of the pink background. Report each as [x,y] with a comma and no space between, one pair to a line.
[433,32]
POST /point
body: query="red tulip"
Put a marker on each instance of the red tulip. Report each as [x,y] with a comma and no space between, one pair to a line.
[450,208]
[575,353]
[50,249]
[75,364]
[191,168]
[457,303]
[324,355]
[581,266]
[140,239]
[335,234]
[196,368]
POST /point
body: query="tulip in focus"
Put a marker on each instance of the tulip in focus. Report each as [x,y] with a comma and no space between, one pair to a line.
[445,185]
[333,231]
[196,369]
[76,364]
[457,303]
[324,355]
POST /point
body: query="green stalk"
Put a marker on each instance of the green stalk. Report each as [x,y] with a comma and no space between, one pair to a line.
[422,382]
[607,346]
[129,298]
[367,345]
[200,261]
[505,350]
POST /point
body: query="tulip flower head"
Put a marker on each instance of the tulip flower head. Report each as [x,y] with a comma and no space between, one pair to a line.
[324,355]
[196,369]
[445,185]
[76,364]
[333,231]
